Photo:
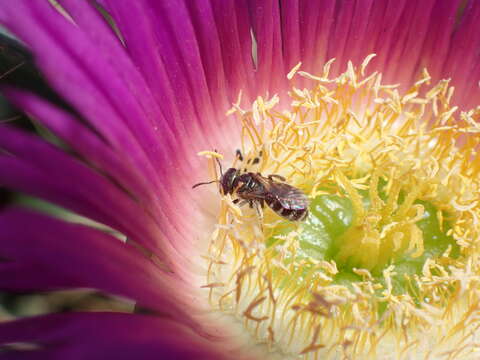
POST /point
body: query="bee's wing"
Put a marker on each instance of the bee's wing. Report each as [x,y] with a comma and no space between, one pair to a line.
[289,196]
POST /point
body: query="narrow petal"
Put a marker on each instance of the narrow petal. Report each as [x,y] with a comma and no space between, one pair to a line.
[341,27]
[232,21]
[462,64]
[104,336]
[174,68]
[291,37]
[101,85]
[83,141]
[407,44]
[75,69]
[266,24]
[354,45]
[39,169]
[437,43]
[161,113]
[318,18]
[65,255]
[108,96]
[406,36]
[223,89]
[196,34]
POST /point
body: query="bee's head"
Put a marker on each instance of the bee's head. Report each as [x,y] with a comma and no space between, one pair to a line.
[227,180]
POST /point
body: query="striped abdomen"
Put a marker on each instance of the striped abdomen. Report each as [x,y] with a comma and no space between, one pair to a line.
[290,202]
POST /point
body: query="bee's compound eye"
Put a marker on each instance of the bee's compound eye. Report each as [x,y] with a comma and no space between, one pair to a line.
[227,181]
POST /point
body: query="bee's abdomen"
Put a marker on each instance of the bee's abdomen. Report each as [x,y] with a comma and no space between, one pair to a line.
[297,214]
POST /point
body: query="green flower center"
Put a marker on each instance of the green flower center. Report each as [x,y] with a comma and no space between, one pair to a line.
[329,234]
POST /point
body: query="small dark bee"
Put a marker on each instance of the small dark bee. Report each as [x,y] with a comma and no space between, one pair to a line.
[256,190]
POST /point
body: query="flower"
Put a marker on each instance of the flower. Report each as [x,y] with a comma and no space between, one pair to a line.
[386,265]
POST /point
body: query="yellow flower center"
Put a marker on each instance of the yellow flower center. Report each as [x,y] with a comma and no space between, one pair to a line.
[386,263]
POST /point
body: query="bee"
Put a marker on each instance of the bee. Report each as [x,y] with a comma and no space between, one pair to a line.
[257,190]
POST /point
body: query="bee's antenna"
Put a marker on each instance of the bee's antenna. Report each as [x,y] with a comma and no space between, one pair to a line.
[204,183]
[213,181]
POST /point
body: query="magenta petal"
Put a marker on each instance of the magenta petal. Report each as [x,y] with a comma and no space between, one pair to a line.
[406,36]
[168,125]
[141,39]
[181,53]
[291,36]
[407,43]
[20,276]
[464,57]
[233,25]
[39,169]
[318,18]
[57,255]
[201,47]
[266,24]
[355,17]
[339,34]
[204,29]
[79,336]
[174,67]
[85,78]
[138,210]
[84,142]
[437,43]
[104,88]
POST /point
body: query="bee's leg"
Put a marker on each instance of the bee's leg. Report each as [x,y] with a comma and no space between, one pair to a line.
[259,210]
[255,163]
[241,158]
[240,202]
[239,155]
[273,176]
